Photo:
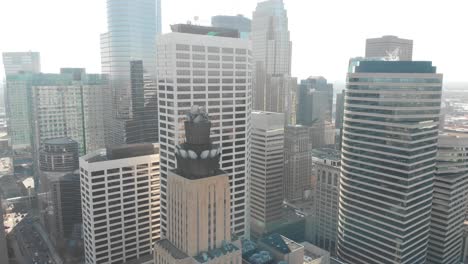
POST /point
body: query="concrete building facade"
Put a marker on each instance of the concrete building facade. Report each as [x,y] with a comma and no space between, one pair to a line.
[391,47]
[449,202]
[199,221]
[297,162]
[120,197]
[326,168]
[267,158]
[213,72]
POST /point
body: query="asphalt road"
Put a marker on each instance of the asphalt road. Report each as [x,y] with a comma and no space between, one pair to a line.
[30,243]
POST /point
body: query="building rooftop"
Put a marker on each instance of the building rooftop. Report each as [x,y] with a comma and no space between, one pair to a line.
[225,249]
[64,176]
[122,152]
[204,30]
[395,67]
[173,250]
[326,153]
[281,243]
[142,260]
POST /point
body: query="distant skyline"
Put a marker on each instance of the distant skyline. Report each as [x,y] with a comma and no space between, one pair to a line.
[325,34]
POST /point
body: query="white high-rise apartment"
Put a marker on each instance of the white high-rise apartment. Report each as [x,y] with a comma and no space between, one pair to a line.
[388,161]
[266,182]
[449,202]
[390,46]
[214,72]
[274,89]
[199,208]
[120,198]
[18,62]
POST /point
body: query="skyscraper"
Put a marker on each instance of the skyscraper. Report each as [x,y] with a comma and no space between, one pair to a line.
[274,89]
[271,47]
[120,200]
[449,202]
[281,97]
[17,96]
[198,202]
[239,22]
[21,62]
[45,106]
[60,201]
[297,162]
[266,182]
[197,68]
[18,111]
[389,46]
[68,105]
[315,101]
[339,114]
[388,161]
[133,26]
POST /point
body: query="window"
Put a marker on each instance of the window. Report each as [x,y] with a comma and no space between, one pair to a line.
[198,48]
[213,49]
[183,47]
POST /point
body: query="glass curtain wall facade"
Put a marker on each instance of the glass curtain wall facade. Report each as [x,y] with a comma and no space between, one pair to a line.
[315,101]
[389,149]
[133,26]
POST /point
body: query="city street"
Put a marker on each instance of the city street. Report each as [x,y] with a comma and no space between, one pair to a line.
[30,244]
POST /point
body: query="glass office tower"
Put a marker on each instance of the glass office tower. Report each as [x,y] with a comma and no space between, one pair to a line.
[389,147]
[133,26]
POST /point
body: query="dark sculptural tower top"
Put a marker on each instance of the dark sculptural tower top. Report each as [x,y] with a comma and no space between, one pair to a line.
[197,157]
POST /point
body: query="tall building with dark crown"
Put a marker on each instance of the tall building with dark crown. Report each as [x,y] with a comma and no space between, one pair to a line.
[212,68]
[198,202]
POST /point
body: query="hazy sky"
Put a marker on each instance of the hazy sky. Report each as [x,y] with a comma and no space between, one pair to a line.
[325,33]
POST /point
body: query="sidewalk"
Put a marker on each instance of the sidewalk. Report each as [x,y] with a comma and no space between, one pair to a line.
[51,248]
